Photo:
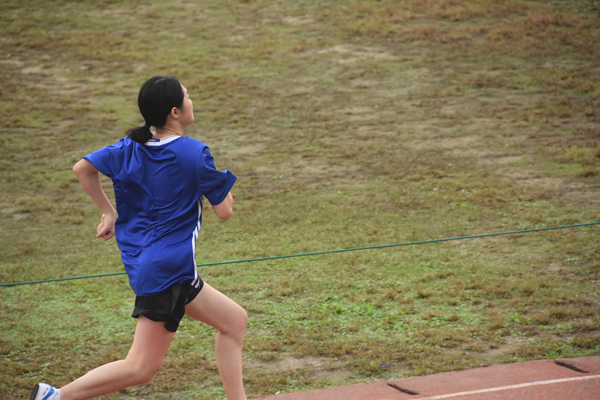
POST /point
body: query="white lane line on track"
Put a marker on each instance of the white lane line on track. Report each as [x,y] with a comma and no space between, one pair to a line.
[501,388]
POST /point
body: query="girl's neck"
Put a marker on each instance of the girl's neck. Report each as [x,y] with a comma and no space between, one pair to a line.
[166,131]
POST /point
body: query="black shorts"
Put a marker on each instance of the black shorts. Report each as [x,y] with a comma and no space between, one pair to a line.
[167,306]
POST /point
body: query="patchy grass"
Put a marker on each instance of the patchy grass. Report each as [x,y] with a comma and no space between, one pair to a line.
[349,124]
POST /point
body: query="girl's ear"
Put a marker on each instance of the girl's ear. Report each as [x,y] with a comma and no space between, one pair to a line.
[174,112]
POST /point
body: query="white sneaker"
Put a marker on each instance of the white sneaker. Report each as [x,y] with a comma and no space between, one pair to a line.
[41,391]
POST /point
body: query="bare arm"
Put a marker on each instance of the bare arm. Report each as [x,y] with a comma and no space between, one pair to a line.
[89,177]
[225,209]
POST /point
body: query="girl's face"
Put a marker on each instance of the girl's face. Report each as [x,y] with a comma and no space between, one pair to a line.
[187,109]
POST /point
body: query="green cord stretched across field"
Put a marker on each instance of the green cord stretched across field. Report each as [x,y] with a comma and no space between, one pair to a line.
[326,252]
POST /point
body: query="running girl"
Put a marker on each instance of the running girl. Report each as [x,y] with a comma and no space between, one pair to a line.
[160,181]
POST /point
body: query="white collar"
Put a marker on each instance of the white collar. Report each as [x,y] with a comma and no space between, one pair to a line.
[160,142]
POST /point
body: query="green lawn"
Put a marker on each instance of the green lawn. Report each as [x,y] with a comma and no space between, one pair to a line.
[349,124]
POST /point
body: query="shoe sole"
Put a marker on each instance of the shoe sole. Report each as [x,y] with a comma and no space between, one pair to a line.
[35,392]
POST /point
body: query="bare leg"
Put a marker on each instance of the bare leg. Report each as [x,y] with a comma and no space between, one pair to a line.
[219,311]
[150,345]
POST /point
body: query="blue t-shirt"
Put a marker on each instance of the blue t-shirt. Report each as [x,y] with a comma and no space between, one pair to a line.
[158,189]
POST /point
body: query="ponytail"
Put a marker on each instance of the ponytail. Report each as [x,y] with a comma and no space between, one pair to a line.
[140,134]
[156,99]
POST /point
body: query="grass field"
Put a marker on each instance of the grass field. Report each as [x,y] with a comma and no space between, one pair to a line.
[348,123]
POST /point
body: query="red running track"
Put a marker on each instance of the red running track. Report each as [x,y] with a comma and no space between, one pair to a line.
[564,379]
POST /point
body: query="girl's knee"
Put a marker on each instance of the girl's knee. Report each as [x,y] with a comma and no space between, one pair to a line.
[236,326]
[144,374]
[241,321]
[142,370]
[243,318]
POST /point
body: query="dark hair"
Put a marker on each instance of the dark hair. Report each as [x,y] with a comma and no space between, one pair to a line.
[156,99]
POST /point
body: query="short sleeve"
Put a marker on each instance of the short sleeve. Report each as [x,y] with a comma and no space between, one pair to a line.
[213,184]
[109,159]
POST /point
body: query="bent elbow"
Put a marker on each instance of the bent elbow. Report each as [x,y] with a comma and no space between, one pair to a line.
[225,214]
[78,169]
[225,208]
